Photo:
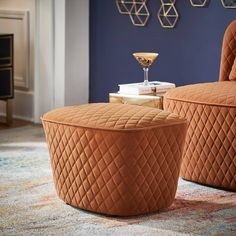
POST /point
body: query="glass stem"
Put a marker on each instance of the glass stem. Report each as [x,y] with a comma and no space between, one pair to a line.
[145,69]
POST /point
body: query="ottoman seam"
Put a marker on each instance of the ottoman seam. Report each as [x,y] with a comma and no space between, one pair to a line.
[201,103]
[115,129]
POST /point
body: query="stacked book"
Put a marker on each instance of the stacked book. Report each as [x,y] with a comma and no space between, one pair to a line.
[154,87]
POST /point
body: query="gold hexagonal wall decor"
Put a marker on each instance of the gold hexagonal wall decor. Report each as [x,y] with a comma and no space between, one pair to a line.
[139,14]
[168,14]
[198,3]
[229,3]
[136,9]
[124,6]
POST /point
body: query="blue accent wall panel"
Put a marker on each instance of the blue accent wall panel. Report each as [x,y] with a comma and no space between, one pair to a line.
[189,53]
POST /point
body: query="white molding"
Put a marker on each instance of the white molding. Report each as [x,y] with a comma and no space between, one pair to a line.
[21,81]
[56,84]
[17,91]
[44,62]
[19,117]
[36,62]
[21,103]
[77,52]
[59,53]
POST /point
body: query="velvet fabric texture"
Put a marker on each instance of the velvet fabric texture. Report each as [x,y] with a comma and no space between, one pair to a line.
[228,53]
[232,75]
[115,159]
[210,151]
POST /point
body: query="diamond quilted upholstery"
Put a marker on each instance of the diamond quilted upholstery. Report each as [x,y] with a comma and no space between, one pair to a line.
[232,75]
[115,159]
[210,151]
[228,51]
[218,94]
[111,116]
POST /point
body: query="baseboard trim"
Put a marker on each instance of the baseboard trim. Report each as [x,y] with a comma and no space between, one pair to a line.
[30,119]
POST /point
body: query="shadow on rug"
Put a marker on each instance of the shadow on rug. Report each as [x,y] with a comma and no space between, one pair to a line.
[29,205]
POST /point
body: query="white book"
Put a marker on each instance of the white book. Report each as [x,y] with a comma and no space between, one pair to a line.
[140,88]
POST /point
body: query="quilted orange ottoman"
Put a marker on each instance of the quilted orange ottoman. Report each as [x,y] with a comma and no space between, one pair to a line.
[210,151]
[115,159]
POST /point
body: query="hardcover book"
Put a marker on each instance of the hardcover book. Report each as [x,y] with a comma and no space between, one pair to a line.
[139,88]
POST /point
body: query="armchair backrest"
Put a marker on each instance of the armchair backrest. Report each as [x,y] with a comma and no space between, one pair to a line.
[228,53]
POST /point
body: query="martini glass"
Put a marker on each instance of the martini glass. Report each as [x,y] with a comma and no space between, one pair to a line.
[145,59]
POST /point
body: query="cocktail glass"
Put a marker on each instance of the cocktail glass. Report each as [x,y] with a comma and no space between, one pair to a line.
[145,59]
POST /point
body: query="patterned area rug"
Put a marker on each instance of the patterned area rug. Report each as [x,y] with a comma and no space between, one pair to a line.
[29,205]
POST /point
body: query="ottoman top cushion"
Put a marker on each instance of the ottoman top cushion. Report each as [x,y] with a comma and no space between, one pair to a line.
[217,93]
[112,116]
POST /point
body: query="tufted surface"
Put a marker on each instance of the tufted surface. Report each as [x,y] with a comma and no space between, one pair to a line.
[218,94]
[210,150]
[111,116]
[115,159]
[228,54]
[232,75]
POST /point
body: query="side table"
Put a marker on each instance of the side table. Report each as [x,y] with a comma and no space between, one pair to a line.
[150,100]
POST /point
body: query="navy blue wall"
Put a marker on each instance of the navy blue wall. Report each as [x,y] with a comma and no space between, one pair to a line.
[189,53]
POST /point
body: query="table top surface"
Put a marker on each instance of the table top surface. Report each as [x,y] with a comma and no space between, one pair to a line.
[152,95]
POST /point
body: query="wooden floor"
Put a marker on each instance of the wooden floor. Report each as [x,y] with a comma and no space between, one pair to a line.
[16,123]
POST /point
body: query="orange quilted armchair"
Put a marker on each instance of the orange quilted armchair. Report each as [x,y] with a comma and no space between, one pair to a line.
[210,148]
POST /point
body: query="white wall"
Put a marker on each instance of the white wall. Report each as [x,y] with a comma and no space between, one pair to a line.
[77,52]
[64,35]
[44,58]
[58,55]
[23,102]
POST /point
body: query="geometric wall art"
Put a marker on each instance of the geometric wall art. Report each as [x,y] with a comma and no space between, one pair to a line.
[198,3]
[124,7]
[168,14]
[229,3]
[139,13]
[136,9]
